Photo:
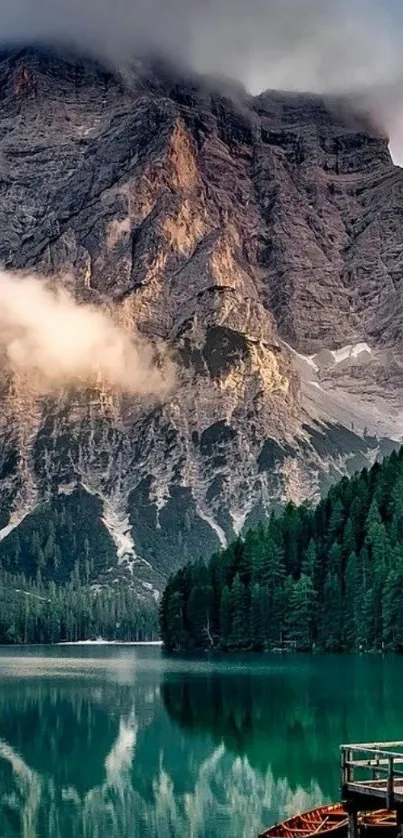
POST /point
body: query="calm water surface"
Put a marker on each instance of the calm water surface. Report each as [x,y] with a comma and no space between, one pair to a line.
[120,742]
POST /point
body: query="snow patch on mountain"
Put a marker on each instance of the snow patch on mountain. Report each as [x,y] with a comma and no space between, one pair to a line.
[16,519]
[150,588]
[350,352]
[325,357]
[305,359]
[238,520]
[118,525]
[214,526]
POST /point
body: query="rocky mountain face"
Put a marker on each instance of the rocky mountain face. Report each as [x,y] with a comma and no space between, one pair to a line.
[260,238]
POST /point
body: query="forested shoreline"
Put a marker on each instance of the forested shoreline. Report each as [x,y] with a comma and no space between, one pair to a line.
[36,611]
[328,577]
[55,583]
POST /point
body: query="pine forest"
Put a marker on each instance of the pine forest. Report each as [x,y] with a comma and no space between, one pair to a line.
[326,577]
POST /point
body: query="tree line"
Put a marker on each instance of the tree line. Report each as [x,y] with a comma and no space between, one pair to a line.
[55,582]
[326,577]
[37,611]
[49,541]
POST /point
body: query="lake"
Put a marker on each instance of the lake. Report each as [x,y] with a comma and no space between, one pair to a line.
[123,742]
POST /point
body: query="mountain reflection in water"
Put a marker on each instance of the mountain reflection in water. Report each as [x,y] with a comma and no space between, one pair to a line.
[118,743]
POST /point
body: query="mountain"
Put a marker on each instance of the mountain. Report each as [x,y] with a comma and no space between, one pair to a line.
[260,239]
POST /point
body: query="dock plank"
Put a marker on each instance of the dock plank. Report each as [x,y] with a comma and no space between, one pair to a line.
[372,774]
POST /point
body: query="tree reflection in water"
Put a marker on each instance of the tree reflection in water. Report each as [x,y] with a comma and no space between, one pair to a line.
[184,749]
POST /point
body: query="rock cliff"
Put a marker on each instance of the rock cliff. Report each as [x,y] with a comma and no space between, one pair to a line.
[260,238]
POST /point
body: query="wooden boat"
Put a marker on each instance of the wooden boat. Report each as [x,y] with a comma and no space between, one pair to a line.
[324,820]
[332,821]
[377,823]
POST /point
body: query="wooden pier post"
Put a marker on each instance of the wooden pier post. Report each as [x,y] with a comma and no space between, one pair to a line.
[352,824]
[389,785]
[399,821]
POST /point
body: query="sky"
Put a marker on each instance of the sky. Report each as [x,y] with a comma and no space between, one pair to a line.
[317,45]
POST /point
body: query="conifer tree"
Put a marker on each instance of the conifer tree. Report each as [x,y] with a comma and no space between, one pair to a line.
[240,621]
[225,617]
[258,607]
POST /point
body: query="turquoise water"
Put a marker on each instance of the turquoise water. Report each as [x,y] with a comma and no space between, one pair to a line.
[117,742]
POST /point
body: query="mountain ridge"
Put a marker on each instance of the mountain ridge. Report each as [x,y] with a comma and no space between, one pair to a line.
[251,235]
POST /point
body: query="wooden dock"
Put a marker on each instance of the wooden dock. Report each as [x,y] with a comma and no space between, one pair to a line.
[371,798]
[372,779]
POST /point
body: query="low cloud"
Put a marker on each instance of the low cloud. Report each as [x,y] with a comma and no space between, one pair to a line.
[60,342]
[327,46]
[299,44]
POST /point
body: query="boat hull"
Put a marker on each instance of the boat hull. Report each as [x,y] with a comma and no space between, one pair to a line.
[324,820]
[381,824]
[332,822]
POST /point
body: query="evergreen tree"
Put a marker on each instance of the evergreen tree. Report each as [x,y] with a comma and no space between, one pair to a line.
[225,617]
[392,608]
[199,616]
[332,614]
[239,614]
[301,619]
[258,607]
[309,560]
[353,604]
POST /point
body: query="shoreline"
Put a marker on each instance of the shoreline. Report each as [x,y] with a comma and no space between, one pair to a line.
[100,642]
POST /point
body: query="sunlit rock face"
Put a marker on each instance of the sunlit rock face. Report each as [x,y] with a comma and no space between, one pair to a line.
[260,240]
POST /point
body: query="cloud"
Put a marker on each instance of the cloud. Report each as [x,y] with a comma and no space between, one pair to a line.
[308,44]
[47,333]
[337,46]
[314,45]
